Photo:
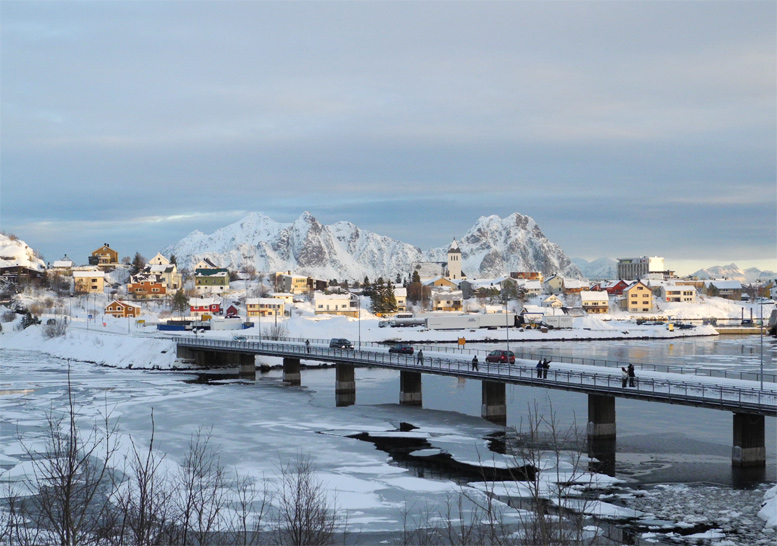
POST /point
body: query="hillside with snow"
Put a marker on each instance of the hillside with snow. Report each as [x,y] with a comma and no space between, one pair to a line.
[16,253]
[492,247]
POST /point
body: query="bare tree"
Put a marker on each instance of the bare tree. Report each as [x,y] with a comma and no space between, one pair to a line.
[201,488]
[305,516]
[70,478]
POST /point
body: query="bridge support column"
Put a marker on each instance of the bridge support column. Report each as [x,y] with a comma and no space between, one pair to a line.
[247,366]
[601,433]
[494,405]
[291,373]
[410,388]
[345,385]
[184,352]
[749,440]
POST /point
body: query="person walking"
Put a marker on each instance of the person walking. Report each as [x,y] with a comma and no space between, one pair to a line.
[545,368]
[475,363]
[539,369]
[624,377]
[420,359]
[632,375]
[307,345]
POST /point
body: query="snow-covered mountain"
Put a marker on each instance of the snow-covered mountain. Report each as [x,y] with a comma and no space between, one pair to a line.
[15,253]
[600,268]
[734,272]
[493,246]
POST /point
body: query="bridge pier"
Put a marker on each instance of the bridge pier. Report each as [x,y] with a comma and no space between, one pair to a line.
[247,365]
[601,431]
[410,388]
[345,385]
[749,440]
[494,402]
[291,373]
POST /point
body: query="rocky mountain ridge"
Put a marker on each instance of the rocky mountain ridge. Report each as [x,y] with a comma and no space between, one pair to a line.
[494,246]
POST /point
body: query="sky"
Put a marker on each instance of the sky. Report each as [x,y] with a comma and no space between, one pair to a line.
[623,128]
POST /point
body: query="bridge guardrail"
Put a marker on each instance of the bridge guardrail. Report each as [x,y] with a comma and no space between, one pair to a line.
[698,393]
[525,355]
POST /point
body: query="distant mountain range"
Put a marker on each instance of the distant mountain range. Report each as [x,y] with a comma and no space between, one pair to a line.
[607,268]
[494,246]
[733,272]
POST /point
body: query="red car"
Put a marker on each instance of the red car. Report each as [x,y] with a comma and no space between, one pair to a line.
[501,356]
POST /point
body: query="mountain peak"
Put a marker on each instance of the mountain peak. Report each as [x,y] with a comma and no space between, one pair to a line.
[492,247]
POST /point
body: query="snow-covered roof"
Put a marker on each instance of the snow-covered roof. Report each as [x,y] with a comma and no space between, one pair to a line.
[203,302]
[594,296]
[724,284]
[88,274]
[264,301]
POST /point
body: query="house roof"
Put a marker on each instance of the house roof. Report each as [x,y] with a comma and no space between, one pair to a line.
[592,295]
[724,284]
[203,302]
[89,274]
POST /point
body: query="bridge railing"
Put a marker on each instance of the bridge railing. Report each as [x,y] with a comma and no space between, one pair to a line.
[723,396]
[527,355]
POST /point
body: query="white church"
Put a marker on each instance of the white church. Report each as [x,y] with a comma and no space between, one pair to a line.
[450,270]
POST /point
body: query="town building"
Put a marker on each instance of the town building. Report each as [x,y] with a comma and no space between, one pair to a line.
[447,300]
[89,282]
[104,257]
[631,269]
[595,302]
[678,294]
[265,307]
[637,298]
[122,309]
[204,306]
[336,304]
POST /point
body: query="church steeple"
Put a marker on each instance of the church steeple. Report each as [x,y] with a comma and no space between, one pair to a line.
[454,261]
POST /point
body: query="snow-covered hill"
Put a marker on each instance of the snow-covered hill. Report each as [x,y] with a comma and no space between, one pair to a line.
[600,268]
[15,253]
[734,272]
[493,246]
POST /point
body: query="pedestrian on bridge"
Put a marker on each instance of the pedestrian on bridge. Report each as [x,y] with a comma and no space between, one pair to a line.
[624,377]
[420,359]
[475,363]
[307,345]
[545,368]
[539,368]
[632,375]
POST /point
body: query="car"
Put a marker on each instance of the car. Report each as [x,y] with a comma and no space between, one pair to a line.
[402,349]
[340,343]
[239,338]
[501,356]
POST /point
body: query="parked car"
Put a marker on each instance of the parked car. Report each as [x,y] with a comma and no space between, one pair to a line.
[402,349]
[340,343]
[501,356]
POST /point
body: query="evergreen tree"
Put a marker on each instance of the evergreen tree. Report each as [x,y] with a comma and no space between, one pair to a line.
[173,259]
[180,302]
[138,263]
[389,299]
[366,287]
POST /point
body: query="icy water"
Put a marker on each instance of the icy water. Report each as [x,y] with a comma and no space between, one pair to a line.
[674,462]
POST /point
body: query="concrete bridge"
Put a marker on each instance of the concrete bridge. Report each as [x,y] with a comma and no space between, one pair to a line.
[748,404]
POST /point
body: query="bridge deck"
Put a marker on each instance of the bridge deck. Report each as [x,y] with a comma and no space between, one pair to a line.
[714,393]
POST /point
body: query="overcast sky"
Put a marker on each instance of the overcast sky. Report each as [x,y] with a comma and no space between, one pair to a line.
[623,128]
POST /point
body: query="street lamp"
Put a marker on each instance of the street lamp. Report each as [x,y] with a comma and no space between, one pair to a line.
[359,320]
[762,344]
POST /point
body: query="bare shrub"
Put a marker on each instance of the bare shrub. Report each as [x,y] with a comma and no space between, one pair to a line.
[37,309]
[277,332]
[55,328]
[7,316]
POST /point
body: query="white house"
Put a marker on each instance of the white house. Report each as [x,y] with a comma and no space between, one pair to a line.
[678,294]
[335,304]
[595,302]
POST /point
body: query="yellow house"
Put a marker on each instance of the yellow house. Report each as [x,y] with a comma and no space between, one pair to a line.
[294,284]
[441,282]
[637,298]
[595,302]
[265,307]
[89,282]
[104,256]
[447,300]
[400,295]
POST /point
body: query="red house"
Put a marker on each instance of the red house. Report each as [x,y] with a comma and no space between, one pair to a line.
[201,306]
[615,288]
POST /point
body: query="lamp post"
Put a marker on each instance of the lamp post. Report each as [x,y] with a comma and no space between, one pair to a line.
[762,344]
[359,319]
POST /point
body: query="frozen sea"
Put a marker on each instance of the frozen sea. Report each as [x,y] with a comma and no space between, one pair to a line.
[673,480]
